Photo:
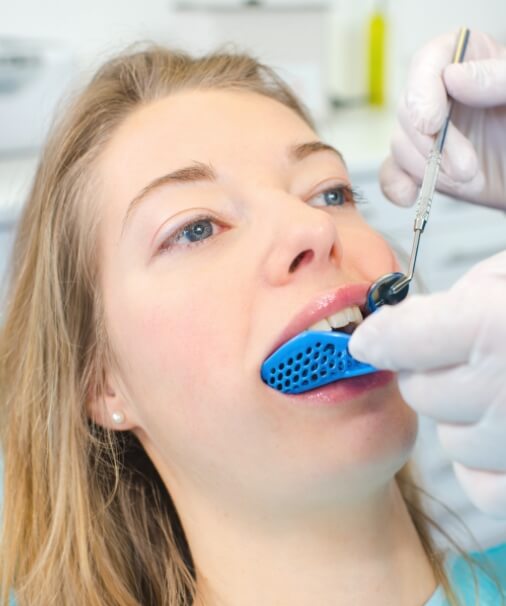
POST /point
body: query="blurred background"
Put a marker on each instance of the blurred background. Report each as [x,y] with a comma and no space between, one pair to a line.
[347,59]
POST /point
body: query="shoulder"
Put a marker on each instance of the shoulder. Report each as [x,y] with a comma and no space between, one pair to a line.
[475,585]
[494,559]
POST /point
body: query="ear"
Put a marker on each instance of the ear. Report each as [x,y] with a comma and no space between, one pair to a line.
[111,409]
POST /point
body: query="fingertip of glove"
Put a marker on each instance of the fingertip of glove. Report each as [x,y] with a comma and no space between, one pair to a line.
[470,189]
[366,343]
[460,161]
[485,489]
[426,116]
[458,77]
[401,191]
[361,342]
[477,83]
[465,164]
[397,185]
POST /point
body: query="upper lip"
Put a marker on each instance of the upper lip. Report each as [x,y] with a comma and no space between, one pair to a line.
[322,306]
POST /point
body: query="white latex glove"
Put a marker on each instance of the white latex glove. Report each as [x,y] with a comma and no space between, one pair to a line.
[450,349]
[473,165]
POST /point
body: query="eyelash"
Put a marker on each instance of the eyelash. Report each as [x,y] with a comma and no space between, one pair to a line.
[351,195]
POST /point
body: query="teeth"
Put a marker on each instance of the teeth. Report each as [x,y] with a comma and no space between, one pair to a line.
[340,319]
[345,316]
[321,325]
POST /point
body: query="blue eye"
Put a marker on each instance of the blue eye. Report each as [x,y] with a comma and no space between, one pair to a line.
[191,234]
[336,196]
[202,228]
[195,232]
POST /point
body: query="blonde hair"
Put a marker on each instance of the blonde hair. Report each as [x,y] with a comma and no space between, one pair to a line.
[87,520]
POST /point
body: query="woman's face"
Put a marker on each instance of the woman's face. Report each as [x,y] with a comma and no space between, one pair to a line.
[192,314]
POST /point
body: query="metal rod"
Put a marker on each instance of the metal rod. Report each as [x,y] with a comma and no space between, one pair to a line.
[399,285]
[431,173]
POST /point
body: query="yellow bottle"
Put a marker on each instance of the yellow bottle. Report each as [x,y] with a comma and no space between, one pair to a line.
[376,54]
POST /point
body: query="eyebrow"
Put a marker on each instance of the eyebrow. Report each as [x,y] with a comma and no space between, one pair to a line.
[199,171]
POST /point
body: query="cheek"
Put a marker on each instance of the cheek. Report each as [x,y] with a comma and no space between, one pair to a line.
[185,370]
[168,337]
[179,339]
[367,251]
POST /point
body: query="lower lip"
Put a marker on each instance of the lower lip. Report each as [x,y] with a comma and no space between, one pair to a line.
[344,390]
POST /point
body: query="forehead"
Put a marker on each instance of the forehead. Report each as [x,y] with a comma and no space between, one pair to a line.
[219,126]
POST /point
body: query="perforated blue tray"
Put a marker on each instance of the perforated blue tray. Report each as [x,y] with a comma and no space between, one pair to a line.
[311,359]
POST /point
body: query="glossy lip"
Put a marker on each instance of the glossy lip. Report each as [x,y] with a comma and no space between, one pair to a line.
[342,391]
[322,306]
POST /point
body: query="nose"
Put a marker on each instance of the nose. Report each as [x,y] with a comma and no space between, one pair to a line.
[305,237]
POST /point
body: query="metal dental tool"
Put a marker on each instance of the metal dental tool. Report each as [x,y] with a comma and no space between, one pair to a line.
[393,288]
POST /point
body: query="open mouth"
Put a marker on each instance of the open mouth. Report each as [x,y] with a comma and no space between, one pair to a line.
[317,355]
[345,320]
[341,310]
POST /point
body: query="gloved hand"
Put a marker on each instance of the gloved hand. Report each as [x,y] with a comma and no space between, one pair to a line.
[473,165]
[450,351]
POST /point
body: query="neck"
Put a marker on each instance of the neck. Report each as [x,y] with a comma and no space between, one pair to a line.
[368,553]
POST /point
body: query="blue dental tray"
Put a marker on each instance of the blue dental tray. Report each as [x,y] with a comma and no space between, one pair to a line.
[311,359]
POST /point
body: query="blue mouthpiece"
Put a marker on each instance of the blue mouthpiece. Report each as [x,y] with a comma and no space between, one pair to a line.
[311,359]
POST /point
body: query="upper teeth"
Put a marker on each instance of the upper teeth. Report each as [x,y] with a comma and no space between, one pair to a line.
[340,319]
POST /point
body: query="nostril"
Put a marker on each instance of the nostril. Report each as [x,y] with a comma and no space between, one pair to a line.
[296,262]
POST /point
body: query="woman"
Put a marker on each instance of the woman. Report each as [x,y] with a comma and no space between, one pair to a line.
[184,212]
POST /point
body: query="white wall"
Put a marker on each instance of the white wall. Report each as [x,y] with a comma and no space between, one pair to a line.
[413,22]
[98,27]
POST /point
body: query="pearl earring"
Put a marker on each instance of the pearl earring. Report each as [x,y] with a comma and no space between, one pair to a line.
[118,417]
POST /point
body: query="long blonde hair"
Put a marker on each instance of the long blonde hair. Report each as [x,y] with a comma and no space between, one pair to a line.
[87,520]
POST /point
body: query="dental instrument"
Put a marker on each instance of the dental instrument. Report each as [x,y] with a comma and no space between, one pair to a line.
[393,288]
[315,358]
